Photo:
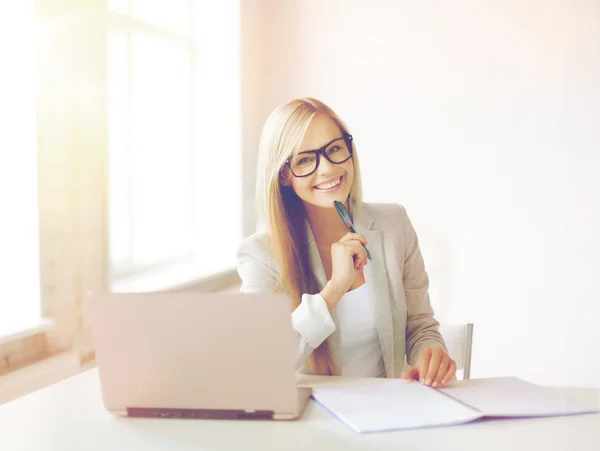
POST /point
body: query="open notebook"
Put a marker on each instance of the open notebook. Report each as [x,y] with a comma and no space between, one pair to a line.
[398,404]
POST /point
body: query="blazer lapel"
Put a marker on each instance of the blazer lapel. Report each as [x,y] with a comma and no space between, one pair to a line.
[376,279]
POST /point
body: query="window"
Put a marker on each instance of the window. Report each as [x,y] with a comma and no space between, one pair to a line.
[19,230]
[174,199]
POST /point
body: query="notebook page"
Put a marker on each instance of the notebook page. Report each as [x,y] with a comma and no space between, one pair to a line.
[513,397]
[393,405]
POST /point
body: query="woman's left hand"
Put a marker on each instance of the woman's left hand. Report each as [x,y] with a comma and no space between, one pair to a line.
[435,368]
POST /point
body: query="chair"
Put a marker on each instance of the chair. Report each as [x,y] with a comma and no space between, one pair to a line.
[459,341]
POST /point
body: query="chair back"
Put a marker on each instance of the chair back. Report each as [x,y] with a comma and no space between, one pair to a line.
[459,341]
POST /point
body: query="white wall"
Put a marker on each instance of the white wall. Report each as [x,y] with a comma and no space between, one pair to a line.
[483,119]
[19,230]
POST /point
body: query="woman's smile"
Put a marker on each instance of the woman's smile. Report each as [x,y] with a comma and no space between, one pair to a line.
[329,186]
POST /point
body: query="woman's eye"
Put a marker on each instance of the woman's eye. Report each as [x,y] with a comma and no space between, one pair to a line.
[334,149]
[303,161]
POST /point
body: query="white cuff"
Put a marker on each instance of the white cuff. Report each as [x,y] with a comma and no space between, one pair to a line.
[312,320]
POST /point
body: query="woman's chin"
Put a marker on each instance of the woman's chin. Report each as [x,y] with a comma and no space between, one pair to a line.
[325,200]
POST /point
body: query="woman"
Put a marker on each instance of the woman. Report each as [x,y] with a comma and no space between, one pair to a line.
[352,316]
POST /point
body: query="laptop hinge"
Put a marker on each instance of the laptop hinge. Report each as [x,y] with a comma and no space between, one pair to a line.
[215,414]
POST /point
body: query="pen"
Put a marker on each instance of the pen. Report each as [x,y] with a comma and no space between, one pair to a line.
[346,218]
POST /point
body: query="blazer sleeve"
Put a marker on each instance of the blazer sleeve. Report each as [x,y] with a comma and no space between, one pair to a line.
[311,320]
[422,330]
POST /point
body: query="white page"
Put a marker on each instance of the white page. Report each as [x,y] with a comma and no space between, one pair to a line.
[393,405]
[513,397]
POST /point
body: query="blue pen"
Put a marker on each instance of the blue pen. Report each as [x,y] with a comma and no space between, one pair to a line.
[346,218]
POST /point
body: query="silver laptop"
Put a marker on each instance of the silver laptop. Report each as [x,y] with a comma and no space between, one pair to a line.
[182,355]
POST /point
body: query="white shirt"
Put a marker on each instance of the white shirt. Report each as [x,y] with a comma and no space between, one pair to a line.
[361,353]
[360,349]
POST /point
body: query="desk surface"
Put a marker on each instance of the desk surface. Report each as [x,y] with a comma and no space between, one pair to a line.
[70,416]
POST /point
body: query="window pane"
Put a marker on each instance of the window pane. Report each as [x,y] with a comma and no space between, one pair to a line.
[218,96]
[19,230]
[161,158]
[118,150]
[171,14]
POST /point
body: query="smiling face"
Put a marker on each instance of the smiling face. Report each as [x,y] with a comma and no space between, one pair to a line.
[330,181]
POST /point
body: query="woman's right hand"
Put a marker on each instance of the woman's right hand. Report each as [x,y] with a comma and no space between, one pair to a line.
[348,258]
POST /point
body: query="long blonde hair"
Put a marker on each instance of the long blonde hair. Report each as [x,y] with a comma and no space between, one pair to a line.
[281,212]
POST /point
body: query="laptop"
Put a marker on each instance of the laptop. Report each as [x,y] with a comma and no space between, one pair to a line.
[204,355]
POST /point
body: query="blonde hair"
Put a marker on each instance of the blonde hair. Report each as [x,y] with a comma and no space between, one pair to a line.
[281,212]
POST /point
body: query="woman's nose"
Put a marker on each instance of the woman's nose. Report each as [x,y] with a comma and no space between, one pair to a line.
[325,166]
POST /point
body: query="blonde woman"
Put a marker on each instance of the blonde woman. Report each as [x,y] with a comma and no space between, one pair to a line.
[352,316]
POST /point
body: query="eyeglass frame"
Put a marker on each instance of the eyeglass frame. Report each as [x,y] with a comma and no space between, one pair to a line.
[321,151]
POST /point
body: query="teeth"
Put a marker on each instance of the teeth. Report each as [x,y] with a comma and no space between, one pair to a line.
[329,185]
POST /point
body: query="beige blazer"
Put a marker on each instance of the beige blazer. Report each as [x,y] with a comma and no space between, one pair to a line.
[396,277]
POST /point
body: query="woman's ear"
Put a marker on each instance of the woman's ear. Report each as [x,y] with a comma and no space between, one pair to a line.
[284,177]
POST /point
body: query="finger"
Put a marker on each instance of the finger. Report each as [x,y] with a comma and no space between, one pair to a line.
[363,253]
[363,257]
[412,373]
[352,250]
[423,363]
[357,250]
[354,236]
[450,373]
[434,364]
[442,370]
[357,260]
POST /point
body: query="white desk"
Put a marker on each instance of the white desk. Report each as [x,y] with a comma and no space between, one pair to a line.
[70,416]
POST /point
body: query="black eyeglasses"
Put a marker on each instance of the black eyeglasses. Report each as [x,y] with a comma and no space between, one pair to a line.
[337,151]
